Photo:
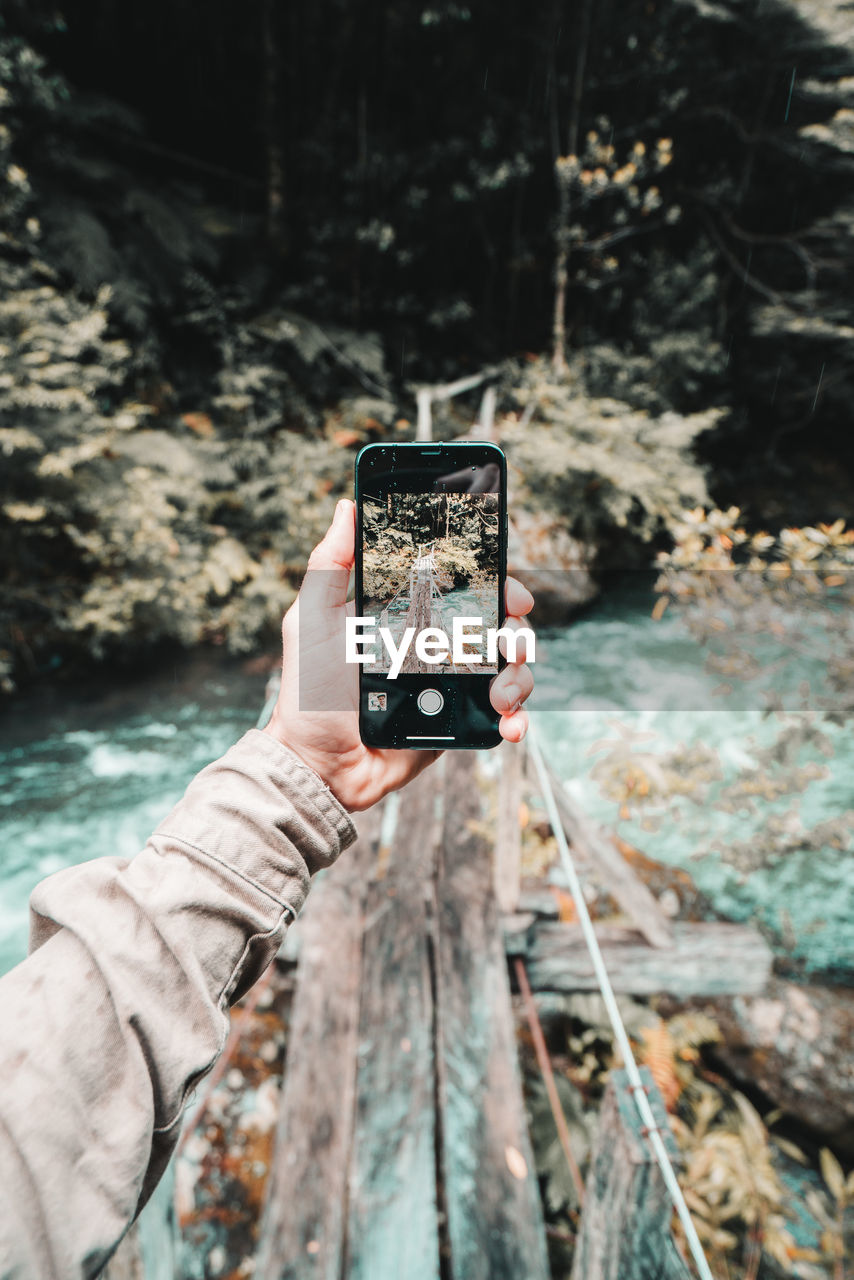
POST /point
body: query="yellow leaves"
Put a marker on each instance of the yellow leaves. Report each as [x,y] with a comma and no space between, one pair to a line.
[200,424]
[659,1055]
[346,438]
[625,173]
[13,439]
[567,167]
[669,1048]
[834,1178]
[128,416]
[229,562]
[63,462]
[565,905]
[730,1169]
[832,530]
[659,607]
[783,567]
[28,512]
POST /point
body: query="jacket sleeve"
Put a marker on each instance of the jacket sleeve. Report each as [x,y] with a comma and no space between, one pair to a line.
[122,1005]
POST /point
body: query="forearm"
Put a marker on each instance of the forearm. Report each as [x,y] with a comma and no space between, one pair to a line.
[122,1006]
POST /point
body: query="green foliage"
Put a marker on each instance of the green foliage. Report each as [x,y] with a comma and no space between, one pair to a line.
[615,476]
[419,171]
[461,529]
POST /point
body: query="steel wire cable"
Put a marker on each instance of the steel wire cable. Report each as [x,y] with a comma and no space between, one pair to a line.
[635,1083]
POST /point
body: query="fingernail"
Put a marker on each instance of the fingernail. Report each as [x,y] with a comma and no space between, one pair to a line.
[514,693]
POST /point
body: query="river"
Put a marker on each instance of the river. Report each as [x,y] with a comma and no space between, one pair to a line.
[91,771]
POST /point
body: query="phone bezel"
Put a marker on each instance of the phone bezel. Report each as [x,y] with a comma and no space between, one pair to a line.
[469,699]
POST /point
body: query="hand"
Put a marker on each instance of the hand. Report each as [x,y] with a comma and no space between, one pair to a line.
[327,738]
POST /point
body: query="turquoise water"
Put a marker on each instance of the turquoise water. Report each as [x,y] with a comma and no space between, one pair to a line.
[618,681]
[82,776]
[93,772]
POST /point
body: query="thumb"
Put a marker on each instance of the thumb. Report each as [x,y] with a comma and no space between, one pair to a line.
[328,577]
[337,550]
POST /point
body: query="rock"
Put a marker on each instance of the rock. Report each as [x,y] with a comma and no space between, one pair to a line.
[613,477]
[552,564]
[794,1043]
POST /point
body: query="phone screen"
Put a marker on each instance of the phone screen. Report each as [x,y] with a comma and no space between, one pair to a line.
[430,582]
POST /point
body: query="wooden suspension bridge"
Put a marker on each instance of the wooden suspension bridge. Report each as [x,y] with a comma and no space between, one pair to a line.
[418,604]
[402,1148]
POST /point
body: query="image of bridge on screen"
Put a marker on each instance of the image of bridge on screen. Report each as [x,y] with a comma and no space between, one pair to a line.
[427,558]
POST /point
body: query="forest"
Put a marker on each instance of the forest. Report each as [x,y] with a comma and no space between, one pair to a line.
[230,255]
[238,244]
[460,529]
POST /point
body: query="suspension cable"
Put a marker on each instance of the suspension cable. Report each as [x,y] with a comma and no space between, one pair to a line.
[636,1085]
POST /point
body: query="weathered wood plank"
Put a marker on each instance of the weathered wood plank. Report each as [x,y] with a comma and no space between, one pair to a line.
[599,851]
[625,1226]
[709,959]
[393,1225]
[302,1228]
[492,1202]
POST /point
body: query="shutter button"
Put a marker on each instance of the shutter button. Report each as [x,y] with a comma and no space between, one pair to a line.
[430,702]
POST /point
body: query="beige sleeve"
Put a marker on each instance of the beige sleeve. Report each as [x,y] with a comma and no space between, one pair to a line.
[122,1006]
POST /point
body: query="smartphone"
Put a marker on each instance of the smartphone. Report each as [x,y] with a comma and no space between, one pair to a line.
[431,560]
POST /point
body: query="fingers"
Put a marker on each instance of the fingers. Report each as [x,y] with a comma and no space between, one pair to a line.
[513,728]
[523,648]
[511,688]
[517,599]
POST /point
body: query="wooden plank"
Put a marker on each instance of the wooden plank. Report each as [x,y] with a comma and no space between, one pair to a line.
[710,959]
[393,1227]
[625,1226]
[508,839]
[301,1236]
[494,1216]
[628,890]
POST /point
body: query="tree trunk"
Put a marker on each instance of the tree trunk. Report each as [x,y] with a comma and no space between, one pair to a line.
[276,214]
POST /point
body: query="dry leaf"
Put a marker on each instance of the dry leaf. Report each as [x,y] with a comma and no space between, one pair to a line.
[660,1058]
[345,438]
[200,423]
[832,1173]
[565,905]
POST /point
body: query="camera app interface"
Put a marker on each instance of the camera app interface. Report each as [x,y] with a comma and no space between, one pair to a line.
[431,564]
